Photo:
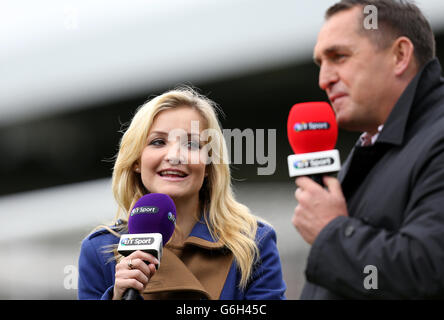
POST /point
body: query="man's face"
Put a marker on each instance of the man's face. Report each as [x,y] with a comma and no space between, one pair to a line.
[354,72]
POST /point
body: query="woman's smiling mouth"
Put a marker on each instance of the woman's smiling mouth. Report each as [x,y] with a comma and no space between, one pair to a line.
[172,174]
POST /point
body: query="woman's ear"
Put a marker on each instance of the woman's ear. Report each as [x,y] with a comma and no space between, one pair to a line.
[136,167]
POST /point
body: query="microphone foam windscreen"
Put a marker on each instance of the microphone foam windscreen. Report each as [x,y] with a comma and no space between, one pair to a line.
[311,127]
[153,213]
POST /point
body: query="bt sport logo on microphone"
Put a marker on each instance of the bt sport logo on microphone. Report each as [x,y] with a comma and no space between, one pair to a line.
[137,241]
[313,163]
[146,209]
[172,218]
[305,126]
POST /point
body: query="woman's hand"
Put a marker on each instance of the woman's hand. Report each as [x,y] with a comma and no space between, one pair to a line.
[133,272]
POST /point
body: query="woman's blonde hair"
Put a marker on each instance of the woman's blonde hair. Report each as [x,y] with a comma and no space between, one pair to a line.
[228,220]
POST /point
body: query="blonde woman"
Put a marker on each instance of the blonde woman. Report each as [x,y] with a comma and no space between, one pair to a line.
[219,250]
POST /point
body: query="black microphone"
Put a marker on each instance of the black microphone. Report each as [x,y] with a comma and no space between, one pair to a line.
[150,225]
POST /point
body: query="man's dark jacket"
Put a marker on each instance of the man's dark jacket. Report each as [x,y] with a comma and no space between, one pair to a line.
[395,198]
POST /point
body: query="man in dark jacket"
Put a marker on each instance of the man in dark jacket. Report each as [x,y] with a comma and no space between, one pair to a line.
[378,230]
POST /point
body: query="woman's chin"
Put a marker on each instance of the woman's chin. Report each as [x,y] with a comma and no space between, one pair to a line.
[174,193]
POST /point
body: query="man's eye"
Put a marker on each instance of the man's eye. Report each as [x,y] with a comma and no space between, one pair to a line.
[339,57]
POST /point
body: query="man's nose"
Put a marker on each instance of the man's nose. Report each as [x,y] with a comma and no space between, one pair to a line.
[327,76]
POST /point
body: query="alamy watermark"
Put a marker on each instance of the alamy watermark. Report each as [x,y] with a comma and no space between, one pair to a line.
[371,280]
[71,18]
[71,277]
[371,17]
[260,147]
[70,281]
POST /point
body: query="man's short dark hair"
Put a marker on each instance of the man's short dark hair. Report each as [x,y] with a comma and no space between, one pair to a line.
[396,18]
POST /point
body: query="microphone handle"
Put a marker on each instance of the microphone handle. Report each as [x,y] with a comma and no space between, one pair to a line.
[130,294]
[318,179]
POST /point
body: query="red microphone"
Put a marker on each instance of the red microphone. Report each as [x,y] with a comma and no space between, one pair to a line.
[312,133]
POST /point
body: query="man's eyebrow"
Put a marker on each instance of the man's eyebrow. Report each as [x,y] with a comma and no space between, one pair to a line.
[328,51]
[334,48]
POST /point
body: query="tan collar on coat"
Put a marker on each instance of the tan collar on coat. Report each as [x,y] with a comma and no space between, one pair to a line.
[196,270]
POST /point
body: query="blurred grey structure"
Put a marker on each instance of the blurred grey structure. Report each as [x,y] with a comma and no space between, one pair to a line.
[74,71]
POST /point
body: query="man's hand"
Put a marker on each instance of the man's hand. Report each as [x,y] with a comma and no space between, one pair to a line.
[317,206]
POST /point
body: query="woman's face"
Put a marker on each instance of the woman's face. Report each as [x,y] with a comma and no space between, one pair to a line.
[171,161]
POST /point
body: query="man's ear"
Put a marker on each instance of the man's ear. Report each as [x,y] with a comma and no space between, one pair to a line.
[403,54]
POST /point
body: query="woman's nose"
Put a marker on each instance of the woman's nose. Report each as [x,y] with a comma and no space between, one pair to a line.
[176,153]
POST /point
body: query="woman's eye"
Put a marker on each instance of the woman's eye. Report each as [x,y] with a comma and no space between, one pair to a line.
[193,145]
[157,142]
